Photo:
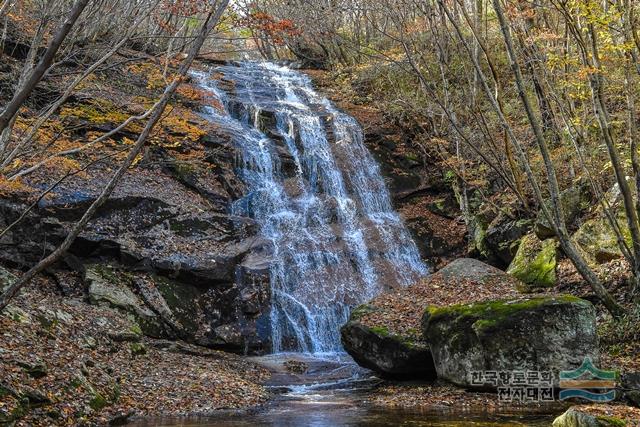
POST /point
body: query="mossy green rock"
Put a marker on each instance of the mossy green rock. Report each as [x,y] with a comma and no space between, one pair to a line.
[535,263]
[137,348]
[400,350]
[596,239]
[576,418]
[547,333]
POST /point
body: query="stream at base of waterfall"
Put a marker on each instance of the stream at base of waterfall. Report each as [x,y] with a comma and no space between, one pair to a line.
[335,392]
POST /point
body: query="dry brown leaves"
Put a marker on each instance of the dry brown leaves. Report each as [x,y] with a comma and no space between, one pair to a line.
[71,339]
[400,312]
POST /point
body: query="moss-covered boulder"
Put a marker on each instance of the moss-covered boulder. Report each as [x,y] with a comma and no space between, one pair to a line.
[535,263]
[595,238]
[387,353]
[385,334]
[545,333]
[576,418]
[597,241]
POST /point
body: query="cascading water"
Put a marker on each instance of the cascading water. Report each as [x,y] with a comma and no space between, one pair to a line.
[319,200]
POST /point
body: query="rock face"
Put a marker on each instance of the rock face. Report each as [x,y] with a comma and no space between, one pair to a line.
[573,200]
[106,289]
[546,333]
[501,239]
[385,336]
[389,354]
[535,263]
[6,279]
[495,238]
[169,225]
[631,388]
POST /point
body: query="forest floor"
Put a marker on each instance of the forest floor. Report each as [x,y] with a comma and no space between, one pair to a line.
[65,362]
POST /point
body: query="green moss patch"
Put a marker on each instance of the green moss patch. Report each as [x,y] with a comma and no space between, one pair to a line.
[535,262]
[361,311]
[491,313]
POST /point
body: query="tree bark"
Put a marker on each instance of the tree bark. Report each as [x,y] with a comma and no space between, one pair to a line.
[558,219]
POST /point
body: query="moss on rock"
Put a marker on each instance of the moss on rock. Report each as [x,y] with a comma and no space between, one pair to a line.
[389,354]
[109,287]
[596,239]
[544,333]
[535,263]
[573,201]
[492,313]
[576,418]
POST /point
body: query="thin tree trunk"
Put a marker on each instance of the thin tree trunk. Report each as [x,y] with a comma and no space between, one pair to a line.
[62,99]
[602,115]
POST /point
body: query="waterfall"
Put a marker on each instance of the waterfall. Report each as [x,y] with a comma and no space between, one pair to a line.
[334,239]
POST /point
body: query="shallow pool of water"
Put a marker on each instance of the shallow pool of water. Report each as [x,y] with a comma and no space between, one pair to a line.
[332,392]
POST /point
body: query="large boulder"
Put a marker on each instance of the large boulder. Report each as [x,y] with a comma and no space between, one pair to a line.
[389,354]
[543,334]
[535,263]
[384,335]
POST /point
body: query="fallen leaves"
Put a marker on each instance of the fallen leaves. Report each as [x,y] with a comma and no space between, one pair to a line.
[91,378]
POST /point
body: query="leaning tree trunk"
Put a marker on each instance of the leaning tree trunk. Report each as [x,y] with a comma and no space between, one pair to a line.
[557,219]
